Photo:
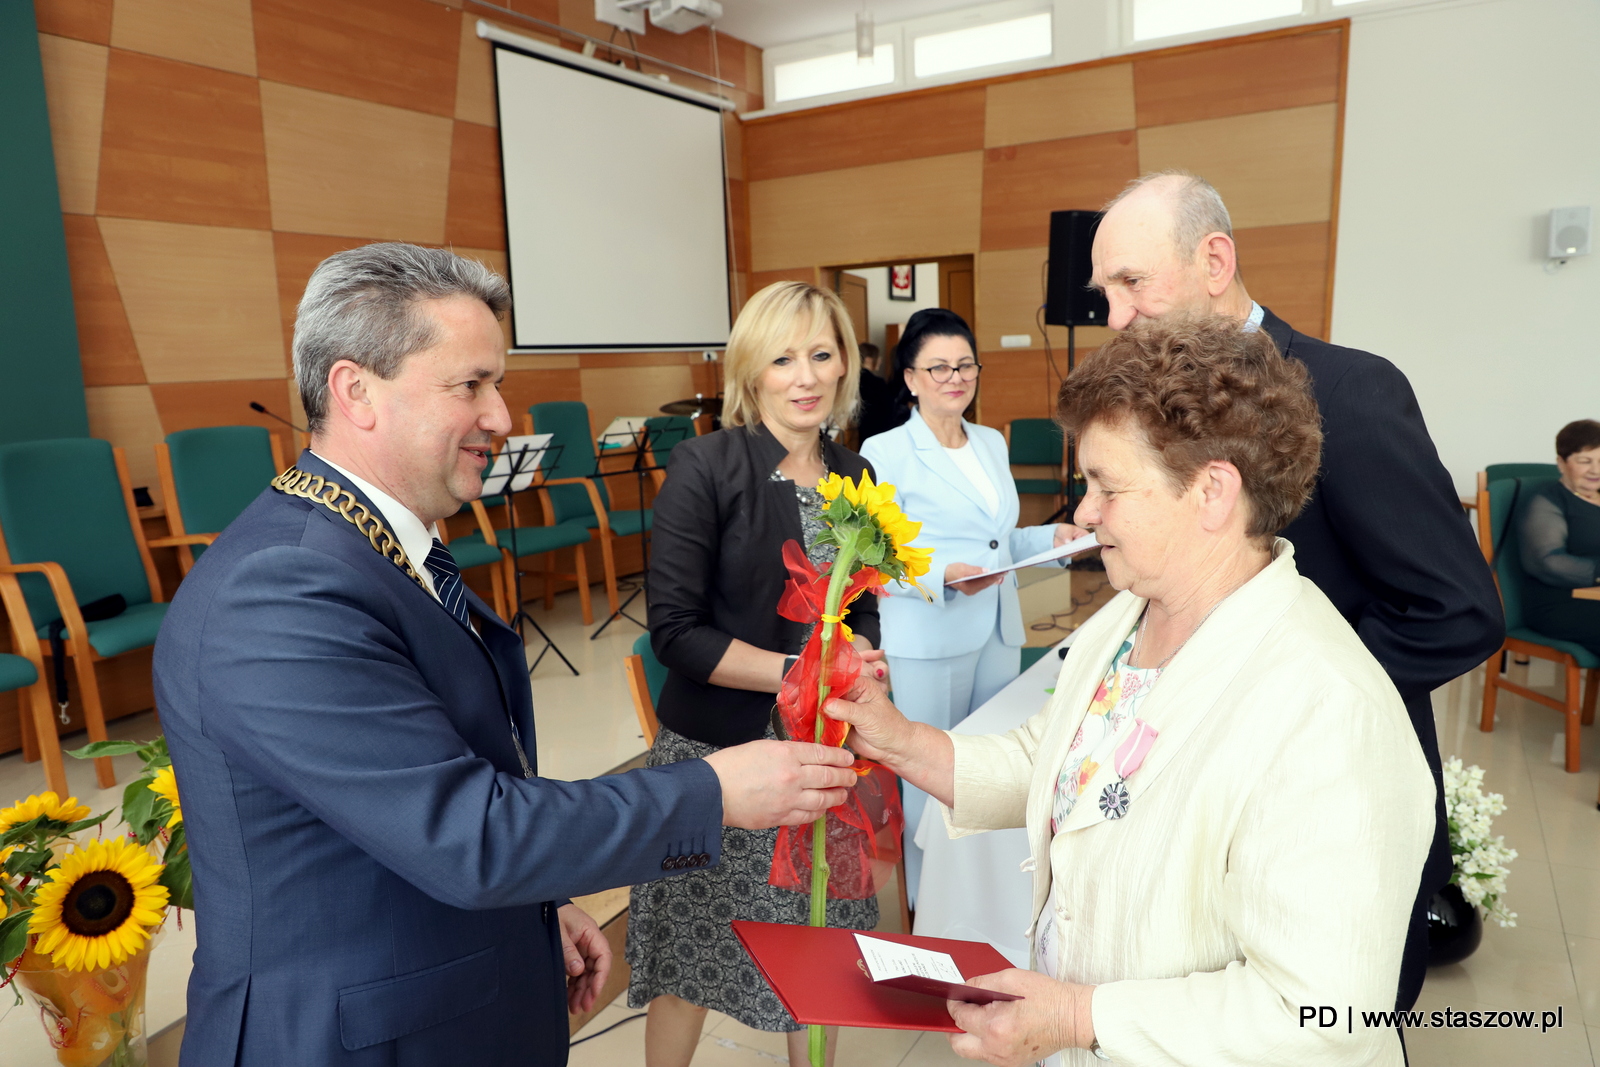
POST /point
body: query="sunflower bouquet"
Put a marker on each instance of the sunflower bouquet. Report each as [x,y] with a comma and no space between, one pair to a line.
[855,844]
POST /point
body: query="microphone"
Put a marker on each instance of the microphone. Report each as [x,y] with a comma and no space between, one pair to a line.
[258,408]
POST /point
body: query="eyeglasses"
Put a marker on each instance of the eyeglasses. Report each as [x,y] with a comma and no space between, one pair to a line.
[941,372]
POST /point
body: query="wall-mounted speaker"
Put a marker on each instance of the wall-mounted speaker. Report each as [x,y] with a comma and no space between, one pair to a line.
[1068,299]
[1570,232]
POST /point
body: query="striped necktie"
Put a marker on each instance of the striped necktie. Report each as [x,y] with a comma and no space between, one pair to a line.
[447,582]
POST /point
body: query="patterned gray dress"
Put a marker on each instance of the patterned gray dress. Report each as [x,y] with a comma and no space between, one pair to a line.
[679,940]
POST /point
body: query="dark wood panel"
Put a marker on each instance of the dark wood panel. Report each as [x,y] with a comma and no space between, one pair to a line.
[879,131]
[1017,385]
[296,256]
[760,279]
[1236,79]
[524,388]
[87,20]
[105,343]
[739,223]
[189,405]
[475,216]
[399,53]
[182,143]
[590,360]
[1285,268]
[1023,183]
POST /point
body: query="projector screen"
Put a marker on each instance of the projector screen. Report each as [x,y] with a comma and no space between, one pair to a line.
[615,211]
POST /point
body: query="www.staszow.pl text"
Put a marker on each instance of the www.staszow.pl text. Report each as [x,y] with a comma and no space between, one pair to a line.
[1326,1016]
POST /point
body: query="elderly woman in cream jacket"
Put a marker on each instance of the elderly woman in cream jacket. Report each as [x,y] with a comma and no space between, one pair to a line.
[1227,806]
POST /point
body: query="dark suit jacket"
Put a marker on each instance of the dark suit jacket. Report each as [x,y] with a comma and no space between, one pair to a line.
[375,880]
[1385,538]
[716,573]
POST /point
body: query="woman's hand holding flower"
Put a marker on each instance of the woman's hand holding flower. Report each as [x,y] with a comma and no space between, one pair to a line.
[1051,1016]
[919,753]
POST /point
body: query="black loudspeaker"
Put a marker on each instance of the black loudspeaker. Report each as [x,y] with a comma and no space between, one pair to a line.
[1068,299]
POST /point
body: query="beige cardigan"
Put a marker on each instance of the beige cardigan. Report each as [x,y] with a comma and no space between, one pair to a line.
[1272,848]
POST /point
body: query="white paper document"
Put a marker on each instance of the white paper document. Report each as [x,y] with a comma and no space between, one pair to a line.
[520,456]
[889,959]
[1071,548]
[623,432]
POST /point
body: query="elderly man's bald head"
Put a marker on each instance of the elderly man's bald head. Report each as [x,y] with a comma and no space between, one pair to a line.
[1194,207]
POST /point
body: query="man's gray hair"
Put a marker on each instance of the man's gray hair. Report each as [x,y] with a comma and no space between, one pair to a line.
[361,305]
[1197,207]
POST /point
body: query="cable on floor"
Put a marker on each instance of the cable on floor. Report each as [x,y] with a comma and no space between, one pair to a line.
[607,1030]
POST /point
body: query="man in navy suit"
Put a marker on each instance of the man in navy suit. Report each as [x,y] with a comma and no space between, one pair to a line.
[1384,536]
[380,875]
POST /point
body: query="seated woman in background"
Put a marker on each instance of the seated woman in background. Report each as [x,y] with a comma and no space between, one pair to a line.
[950,654]
[1559,526]
[730,501]
[1227,805]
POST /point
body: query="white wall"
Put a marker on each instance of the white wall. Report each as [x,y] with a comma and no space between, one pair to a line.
[881,310]
[1465,124]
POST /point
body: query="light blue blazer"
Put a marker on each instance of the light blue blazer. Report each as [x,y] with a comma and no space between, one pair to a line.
[957,525]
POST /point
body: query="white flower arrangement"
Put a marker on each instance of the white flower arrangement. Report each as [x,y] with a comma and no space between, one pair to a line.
[1480,862]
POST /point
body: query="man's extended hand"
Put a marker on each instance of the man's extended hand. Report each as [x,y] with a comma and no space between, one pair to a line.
[780,783]
[587,955]
[1051,1016]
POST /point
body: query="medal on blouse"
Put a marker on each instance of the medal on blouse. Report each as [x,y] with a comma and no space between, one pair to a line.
[1130,756]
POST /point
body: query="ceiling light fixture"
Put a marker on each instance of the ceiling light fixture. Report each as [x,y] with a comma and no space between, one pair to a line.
[864,37]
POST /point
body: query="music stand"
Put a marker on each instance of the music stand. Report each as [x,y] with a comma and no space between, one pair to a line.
[643,441]
[522,463]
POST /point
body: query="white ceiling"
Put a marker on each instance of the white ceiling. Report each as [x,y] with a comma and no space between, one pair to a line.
[766,23]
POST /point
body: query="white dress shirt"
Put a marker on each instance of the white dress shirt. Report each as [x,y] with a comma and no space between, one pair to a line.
[414,537]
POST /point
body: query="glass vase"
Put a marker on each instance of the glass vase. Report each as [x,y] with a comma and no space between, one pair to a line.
[91,1018]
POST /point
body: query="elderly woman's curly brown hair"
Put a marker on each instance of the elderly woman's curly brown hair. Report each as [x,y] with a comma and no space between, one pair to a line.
[1204,390]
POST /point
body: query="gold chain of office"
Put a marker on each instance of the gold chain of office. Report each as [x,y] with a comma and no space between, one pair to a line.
[338,499]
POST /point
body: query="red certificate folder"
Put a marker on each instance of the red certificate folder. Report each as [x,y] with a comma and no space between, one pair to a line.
[818,974]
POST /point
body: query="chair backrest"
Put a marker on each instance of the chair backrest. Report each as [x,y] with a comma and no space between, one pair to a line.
[1507,496]
[62,501]
[216,472]
[1501,471]
[1036,442]
[666,432]
[568,420]
[654,670]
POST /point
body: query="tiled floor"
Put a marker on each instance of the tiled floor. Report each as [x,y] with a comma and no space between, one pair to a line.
[1550,959]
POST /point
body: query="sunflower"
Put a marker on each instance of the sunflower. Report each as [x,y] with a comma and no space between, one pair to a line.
[99,906]
[47,804]
[165,786]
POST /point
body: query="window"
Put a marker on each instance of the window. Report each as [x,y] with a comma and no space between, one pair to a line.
[835,73]
[1168,18]
[982,46]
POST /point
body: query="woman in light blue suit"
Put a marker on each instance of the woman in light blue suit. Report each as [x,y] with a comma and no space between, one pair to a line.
[949,656]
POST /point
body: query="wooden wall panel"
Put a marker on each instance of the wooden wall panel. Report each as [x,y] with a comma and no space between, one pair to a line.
[1023,183]
[614,391]
[1285,268]
[495,260]
[126,416]
[105,343]
[1074,104]
[182,144]
[857,135]
[1235,79]
[524,388]
[83,20]
[1273,168]
[733,146]
[396,52]
[1017,384]
[475,215]
[295,256]
[210,33]
[920,208]
[202,300]
[75,88]
[1010,291]
[190,405]
[354,168]
[759,280]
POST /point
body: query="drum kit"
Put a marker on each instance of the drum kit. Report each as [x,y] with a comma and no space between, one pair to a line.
[695,407]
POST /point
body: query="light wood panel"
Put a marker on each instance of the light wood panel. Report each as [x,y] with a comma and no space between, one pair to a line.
[75,88]
[920,208]
[856,135]
[475,215]
[190,405]
[1234,79]
[295,256]
[105,343]
[614,391]
[1074,104]
[354,168]
[1273,168]
[83,20]
[1023,183]
[126,416]
[1285,268]
[182,144]
[1010,292]
[210,33]
[202,300]
[524,388]
[1017,384]
[398,53]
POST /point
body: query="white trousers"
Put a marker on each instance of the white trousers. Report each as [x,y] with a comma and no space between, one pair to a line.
[942,692]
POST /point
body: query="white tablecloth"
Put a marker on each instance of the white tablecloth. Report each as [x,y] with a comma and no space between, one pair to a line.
[973,888]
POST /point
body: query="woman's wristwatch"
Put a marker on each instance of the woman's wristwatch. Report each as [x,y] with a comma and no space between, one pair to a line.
[788,664]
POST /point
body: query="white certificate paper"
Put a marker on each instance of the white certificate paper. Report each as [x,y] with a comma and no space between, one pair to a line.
[1071,548]
[889,959]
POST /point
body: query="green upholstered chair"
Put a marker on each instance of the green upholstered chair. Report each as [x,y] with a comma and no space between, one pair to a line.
[1505,550]
[572,494]
[23,673]
[209,475]
[646,675]
[1036,443]
[68,525]
[1500,471]
[666,432]
[481,548]
[527,541]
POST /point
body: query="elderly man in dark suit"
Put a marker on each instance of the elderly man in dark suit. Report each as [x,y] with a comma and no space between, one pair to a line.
[380,875]
[1384,536]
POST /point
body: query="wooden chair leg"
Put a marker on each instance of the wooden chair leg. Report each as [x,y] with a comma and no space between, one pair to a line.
[610,563]
[584,600]
[1574,684]
[1589,693]
[94,716]
[35,708]
[1491,692]
[30,735]
[497,579]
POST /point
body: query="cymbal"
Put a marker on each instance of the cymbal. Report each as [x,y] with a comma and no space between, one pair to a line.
[694,406]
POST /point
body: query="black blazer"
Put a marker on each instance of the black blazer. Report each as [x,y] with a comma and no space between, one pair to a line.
[716,573]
